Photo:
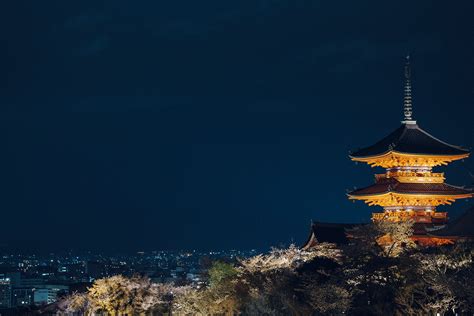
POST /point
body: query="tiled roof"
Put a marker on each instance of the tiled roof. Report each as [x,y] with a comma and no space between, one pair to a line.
[331,232]
[419,229]
[410,139]
[392,185]
[463,226]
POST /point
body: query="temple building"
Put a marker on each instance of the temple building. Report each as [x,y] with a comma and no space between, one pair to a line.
[408,189]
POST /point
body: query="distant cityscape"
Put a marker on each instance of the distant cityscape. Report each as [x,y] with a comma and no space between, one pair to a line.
[39,280]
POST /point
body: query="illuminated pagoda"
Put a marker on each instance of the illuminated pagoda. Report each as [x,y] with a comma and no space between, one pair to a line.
[409,189]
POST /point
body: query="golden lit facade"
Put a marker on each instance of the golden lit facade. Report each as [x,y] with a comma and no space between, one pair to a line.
[410,194]
[409,189]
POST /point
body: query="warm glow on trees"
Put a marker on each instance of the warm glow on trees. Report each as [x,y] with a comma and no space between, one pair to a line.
[366,276]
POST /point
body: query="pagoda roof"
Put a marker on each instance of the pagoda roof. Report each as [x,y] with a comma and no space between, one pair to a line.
[463,226]
[409,138]
[384,186]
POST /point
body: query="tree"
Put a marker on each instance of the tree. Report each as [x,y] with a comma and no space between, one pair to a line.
[77,303]
[447,275]
[381,238]
[221,273]
[207,301]
[290,258]
[395,237]
[364,278]
[274,284]
[372,267]
[121,295]
[328,298]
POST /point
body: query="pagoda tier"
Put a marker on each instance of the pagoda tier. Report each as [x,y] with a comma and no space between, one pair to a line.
[409,146]
[390,192]
[414,200]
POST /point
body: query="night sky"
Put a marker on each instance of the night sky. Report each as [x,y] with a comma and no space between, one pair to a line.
[141,125]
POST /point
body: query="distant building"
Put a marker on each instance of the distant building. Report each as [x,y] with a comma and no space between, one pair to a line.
[32,283]
[22,297]
[178,273]
[195,275]
[5,292]
[48,294]
[15,278]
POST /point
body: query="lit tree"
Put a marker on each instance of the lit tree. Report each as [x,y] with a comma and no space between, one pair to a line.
[273,282]
[396,237]
[328,298]
[77,303]
[218,299]
[290,258]
[381,238]
[362,278]
[207,301]
[121,295]
[221,274]
[448,279]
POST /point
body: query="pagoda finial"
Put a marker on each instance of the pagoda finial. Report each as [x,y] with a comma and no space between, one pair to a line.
[407,105]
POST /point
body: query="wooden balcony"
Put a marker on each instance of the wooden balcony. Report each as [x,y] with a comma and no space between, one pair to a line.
[412,177]
[417,216]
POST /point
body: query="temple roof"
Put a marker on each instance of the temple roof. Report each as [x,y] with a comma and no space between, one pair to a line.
[410,139]
[420,229]
[463,226]
[330,232]
[392,185]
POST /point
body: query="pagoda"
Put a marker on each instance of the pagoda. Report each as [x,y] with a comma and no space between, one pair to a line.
[409,189]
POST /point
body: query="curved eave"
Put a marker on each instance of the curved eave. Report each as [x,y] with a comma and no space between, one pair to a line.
[387,153]
[449,236]
[310,241]
[392,154]
[415,195]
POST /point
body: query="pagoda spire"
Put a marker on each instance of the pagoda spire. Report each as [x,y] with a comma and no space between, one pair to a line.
[407,101]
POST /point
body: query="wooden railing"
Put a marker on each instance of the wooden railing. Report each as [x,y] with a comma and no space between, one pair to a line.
[417,216]
[412,177]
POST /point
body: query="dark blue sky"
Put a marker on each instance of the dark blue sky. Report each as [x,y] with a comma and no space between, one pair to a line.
[130,125]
